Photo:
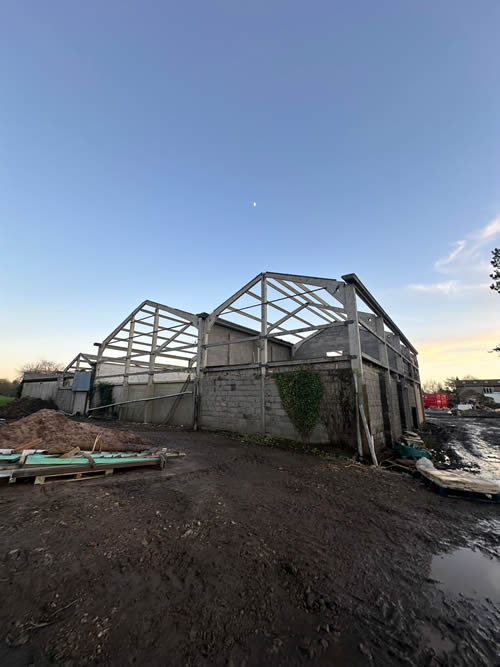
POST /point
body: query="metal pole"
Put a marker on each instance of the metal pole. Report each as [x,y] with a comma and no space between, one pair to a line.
[140,400]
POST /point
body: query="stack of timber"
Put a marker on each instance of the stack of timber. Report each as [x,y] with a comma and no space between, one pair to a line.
[76,464]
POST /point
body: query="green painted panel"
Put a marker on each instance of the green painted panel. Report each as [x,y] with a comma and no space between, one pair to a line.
[106,458]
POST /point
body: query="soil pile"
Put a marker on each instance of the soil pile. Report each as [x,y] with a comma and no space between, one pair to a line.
[22,407]
[60,434]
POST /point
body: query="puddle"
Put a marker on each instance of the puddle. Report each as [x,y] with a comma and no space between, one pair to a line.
[476,442]
[434,638]
[468,572]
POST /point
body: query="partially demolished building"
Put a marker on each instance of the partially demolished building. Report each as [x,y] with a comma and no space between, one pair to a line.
[218,370]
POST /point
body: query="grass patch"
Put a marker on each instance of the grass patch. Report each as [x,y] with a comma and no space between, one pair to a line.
[6,399]
[326,451]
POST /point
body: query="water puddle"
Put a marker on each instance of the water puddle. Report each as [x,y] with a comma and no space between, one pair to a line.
[436,640]
[469,573]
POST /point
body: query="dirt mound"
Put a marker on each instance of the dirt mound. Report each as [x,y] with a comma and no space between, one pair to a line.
[60,434]
[22,407]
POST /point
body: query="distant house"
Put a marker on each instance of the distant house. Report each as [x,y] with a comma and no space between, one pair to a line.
[490,388]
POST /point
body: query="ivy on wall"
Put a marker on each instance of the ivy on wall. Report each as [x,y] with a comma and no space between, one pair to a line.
[338,408]
[105,390]
[301,393]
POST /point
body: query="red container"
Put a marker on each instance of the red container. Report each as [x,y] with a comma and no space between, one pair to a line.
[435,400]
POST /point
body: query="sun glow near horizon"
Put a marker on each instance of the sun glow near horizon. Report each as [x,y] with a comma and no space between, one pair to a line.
[456,357]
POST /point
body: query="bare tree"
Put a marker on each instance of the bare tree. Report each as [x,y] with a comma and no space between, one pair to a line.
[432,387]
[451,384]
[41,366]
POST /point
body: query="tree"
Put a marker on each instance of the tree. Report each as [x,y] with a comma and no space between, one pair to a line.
[451,384]
[41,366]
[495,276]
[8,388]
[432,387]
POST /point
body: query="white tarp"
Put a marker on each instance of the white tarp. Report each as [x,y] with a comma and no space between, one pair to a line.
[457,479]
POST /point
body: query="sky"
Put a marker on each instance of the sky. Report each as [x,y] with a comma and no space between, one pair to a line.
[135,137]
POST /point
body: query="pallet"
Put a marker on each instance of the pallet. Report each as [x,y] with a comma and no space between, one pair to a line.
[462,493]
[72,476]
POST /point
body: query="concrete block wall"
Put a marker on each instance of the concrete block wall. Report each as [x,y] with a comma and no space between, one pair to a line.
[240,353]
[374,401]
[369,344]
[324,341]
[277,421]
[397,428]
[231,400]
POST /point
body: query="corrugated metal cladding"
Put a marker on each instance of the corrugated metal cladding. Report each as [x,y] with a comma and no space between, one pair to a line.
[81,381]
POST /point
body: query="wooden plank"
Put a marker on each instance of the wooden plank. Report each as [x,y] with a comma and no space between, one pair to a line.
[369,436]
[73,451]
[29,445]
[35,471]
[72,476]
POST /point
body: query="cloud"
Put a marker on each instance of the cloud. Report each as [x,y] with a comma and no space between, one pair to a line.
[443,288]
[492,229]
[459,246]
[448,287]
[465,257]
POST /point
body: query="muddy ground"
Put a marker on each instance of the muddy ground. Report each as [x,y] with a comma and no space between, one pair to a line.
[471,444]
[240,555]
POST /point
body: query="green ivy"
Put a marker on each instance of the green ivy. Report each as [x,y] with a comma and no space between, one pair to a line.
[301,393]
[105,390]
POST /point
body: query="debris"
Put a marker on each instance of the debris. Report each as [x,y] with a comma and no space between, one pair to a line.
[96,441]
[414,451]
[80,466]
[60,434]
[458,482]
[71,452]
[29,445]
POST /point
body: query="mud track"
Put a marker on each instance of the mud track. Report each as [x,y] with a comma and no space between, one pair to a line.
[240,555]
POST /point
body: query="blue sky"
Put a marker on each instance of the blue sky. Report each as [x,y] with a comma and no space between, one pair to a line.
[136,135]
